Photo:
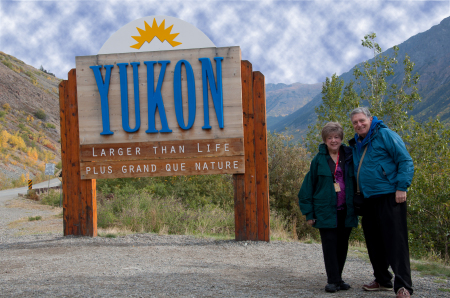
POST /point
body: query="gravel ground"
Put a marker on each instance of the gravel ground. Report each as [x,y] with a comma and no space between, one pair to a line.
[37,261]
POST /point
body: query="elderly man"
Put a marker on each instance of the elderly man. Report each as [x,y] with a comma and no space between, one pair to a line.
[385,174]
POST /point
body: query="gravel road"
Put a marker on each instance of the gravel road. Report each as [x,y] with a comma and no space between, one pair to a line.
[37,261]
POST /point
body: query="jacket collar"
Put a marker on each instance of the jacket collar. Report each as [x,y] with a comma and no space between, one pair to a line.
[324,150]
[352,141]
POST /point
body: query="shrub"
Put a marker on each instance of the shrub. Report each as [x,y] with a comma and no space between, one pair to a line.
[40,114]
[32,195]
[2,114]
[6,107]
[50,125]
[193,191]
[7,63]
[51,198]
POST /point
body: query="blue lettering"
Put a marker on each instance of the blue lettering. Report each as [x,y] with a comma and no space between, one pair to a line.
[178,98]
[154,97]
[103,89]
[124,96]
[216,92]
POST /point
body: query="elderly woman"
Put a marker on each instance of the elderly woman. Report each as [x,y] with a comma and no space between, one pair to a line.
[326,199]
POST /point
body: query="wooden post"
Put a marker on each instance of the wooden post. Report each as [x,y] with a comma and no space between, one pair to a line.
[249,150]
[79,196]
[251,190]
[261,156]
[239,207]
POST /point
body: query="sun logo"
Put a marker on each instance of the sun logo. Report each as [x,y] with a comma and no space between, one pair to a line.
[149,33]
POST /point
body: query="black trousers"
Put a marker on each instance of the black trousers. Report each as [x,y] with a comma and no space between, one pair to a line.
[335,248]
[386,232]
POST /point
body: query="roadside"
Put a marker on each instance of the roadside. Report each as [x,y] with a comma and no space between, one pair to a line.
[15,213]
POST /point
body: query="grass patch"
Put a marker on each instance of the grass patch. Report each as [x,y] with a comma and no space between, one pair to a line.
[309,240]
[431,268]
[119,232]
[444,290]
[33,218]
[279,227]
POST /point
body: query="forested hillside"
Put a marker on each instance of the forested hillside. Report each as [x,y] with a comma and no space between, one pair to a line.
[29,121]
[429,51]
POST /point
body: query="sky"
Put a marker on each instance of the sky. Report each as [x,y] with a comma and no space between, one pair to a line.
[288,41]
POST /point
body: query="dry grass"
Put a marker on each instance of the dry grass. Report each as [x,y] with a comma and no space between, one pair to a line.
[116,231]
[51,224]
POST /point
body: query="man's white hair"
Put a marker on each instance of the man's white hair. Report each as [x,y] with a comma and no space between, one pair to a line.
[360,110]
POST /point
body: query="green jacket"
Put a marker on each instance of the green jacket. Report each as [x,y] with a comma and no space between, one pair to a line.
[317,197]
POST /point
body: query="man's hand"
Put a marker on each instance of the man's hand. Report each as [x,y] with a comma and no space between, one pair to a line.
[311,222]
[400,196]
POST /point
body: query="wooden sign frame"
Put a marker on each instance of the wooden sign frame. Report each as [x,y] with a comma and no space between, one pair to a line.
[251,189]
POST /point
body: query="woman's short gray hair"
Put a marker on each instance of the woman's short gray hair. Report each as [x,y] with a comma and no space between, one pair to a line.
[332,128]
[360,110]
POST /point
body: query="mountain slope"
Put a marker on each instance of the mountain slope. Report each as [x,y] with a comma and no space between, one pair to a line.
[29,121]
[282,99]
[429,51]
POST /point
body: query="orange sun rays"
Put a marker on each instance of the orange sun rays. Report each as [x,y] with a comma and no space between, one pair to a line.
[149,33]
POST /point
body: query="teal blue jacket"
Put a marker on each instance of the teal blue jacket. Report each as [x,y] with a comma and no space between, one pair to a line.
[387,165]
[317,196]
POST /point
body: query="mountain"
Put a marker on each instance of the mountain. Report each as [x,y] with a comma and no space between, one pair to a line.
[29,121]
[429,51]
[282,100]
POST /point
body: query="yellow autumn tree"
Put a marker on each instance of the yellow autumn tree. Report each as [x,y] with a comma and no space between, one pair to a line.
[4,138]
[22,179]
[32,153]
[17,142]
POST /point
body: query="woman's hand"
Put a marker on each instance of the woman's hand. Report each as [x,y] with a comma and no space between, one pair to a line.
[311,222]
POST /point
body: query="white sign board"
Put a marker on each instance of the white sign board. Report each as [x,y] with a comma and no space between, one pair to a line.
[50,169]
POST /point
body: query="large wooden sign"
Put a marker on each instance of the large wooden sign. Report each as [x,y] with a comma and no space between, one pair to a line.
[159,99]
[160,113]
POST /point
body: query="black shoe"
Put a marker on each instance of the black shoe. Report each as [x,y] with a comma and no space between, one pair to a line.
[331,288]
[344,286]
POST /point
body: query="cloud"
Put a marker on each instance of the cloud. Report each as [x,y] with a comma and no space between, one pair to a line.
[288,41]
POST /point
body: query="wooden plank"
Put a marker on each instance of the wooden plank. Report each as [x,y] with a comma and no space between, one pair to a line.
[162,150]
[261,156]
[163,167]
[79,206]
[239,207]
[89,98]
[249,148]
